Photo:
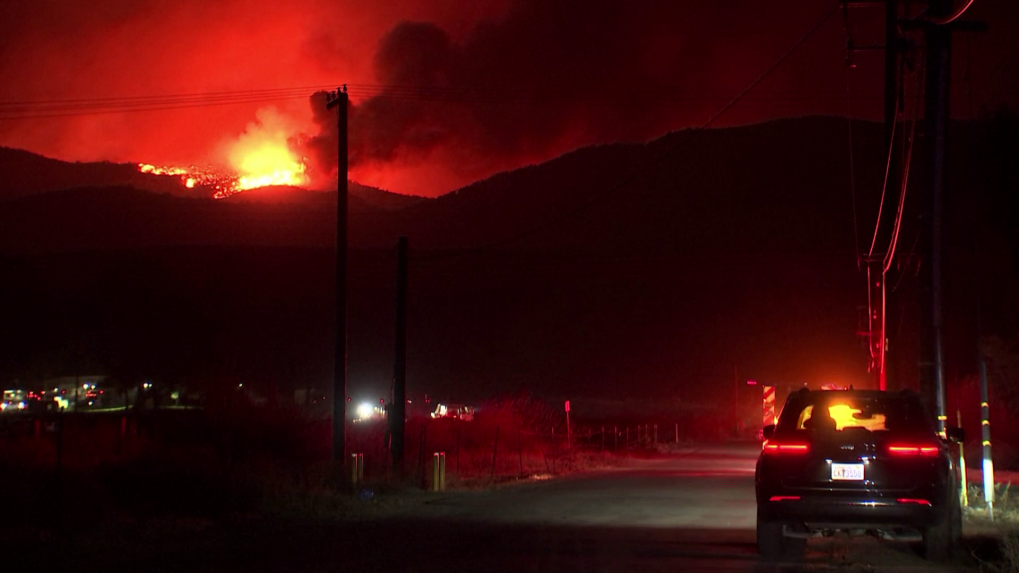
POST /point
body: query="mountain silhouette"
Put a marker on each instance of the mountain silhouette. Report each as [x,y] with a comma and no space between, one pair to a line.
[628,271]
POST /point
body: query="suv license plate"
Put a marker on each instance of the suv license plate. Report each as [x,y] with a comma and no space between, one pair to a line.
[847,471]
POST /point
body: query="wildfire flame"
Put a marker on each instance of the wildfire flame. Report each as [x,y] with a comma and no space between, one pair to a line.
[261,157]
[193,176]
[270,165]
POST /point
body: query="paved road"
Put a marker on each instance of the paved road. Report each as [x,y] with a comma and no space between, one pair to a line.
[692,511]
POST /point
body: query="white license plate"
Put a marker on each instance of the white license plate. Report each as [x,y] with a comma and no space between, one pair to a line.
[846,471]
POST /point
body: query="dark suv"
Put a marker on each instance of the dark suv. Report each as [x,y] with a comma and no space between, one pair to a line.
[860,461]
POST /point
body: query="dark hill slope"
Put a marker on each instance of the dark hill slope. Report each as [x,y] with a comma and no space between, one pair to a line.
[624,271]
[23,173]
[762,187]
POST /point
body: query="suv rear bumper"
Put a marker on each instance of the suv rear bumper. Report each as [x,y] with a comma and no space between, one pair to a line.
[846,513]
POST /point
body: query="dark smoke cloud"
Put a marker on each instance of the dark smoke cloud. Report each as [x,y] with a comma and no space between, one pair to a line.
[550,76]
[547,77]
[463,88]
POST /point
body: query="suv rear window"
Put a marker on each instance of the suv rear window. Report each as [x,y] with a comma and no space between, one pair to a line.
[839,411]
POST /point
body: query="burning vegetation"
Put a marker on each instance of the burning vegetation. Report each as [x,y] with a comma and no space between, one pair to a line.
[264,155]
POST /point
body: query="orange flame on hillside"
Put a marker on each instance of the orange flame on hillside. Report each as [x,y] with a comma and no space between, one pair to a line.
[270,164]
[261,157]
[192,176]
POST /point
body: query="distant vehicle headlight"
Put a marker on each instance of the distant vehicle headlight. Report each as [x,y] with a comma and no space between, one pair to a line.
[364,411]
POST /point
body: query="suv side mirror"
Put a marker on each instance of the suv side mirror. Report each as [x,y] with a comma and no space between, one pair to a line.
[955,434]
[768,432]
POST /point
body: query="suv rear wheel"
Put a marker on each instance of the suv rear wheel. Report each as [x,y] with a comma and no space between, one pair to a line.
[941,539]
[937,539]
[772,544]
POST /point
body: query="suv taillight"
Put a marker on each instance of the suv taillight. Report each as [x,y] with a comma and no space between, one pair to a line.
[777,447]
[913,450]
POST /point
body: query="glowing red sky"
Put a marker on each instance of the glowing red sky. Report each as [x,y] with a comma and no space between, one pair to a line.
[545,77]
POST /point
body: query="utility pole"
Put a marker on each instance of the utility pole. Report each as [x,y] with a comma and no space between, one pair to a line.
[938,25]
[397,413]
[339,100]
[936,109]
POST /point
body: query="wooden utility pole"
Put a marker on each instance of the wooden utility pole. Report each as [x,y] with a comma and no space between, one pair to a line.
[397,413]
[938,24]
[936,114]
[339,100]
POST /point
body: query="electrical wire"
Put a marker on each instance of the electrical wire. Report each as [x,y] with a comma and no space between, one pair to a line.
[772,68]
[884,185]
[909,257]
[954,16]
[650,95]
[890,255]
[41,109]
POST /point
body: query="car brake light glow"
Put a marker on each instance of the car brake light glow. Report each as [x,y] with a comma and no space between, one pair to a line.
[772,447]
[916,501]
[912,450]
[784,498]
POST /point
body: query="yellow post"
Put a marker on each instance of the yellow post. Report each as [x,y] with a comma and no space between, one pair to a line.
[439,471]
[356,468]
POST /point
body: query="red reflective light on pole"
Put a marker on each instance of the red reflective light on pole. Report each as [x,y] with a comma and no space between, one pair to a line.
[751,382]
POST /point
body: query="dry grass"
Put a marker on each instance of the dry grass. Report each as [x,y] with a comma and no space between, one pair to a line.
[218,466]
[997,542]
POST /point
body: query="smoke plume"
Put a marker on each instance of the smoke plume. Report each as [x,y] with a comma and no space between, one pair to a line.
[443,93]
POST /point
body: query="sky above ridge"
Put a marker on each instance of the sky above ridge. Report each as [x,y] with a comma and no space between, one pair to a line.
[442,94]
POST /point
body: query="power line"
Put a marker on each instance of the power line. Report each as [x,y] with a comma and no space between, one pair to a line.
[45,109]
[772,68]
[41,109]
[884,185]
[890,255]
[646,95]
[159,97]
